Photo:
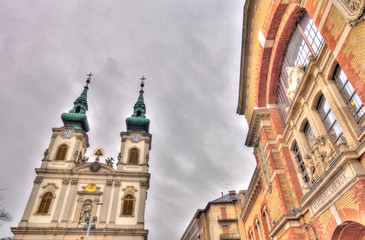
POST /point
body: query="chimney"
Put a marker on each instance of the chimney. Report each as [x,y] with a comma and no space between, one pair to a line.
[232,192]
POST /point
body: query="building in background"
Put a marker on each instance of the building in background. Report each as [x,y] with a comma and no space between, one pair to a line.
[67,184]
[302,89]
[219,220]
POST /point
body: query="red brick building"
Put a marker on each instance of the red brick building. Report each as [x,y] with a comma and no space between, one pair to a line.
[302,89]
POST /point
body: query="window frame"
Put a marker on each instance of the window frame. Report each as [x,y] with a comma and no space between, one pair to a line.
[342,89]
[301,164]
[136,162]
[45,203]
[323,114]
[128,210]
[61,152]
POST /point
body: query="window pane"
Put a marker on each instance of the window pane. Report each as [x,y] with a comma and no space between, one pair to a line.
[329,120]
[355,103]
[309,135]
[324,108]
[341,78]
[348,90]
[335,132]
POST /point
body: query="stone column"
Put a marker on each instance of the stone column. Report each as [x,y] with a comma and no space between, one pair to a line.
[142,203]
[106,200]
[31,201]
[69,203]
[60,202]
[115,202]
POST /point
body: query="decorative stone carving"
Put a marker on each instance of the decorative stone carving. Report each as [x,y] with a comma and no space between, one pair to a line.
[95,166]
[76,153]
[143,184]
[38,180]
[84,160]
[321,155]
[74,181]
[109,161]
[65,181]
[147,158]
[46,153]
[295,75]
[117,183]
[351,10]
[119,157]
[109,182]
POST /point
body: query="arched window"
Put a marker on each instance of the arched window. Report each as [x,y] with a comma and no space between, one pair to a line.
[305,40]
[45,203]
[61,152]
[78,109]
[266,222]
[128,202]
[258,228]
[301,164]
[348,92]
[139,113]
[250,235]
[329,120]
[133,156]
[309,135]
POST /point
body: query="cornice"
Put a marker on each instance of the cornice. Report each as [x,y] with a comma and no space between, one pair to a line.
[246,35]
[251,194]
[117,174]
[257,116]
[59,231]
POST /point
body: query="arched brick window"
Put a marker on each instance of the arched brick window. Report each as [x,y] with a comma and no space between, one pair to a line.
[61,152]
[266,221]
[258,229]
[250,235]
[128,205]
[305,40]
[133,156]
[45,203]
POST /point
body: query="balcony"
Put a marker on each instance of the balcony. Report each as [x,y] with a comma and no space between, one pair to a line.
[227,218]
[229,236]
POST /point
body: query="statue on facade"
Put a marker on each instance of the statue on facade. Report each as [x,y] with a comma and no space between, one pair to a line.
[109,161]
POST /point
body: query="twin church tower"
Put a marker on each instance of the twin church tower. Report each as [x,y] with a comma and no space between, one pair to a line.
[67,182]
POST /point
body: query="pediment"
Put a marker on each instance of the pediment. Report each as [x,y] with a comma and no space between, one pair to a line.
[94,167]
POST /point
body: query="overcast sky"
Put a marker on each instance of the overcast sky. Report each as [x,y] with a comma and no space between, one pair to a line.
[189,52]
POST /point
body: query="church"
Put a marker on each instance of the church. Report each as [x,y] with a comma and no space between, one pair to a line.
[73,194]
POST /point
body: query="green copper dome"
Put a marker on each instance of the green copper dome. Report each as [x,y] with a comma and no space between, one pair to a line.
[76,117]
[138,120]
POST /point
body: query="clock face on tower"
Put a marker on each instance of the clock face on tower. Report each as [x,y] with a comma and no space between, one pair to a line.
[136,137]
[67,133]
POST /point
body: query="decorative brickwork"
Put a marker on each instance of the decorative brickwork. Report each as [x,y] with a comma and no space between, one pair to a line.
[331,203]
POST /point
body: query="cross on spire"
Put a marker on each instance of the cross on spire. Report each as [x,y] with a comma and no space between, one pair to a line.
[88,78]
[142,81]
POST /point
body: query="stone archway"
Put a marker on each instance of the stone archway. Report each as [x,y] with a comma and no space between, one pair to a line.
[349,230]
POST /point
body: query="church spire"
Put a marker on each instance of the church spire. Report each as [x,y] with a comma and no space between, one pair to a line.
[138,120]
[76,117]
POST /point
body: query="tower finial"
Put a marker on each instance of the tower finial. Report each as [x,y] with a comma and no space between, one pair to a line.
[76,117]
[88,78]
[142,82]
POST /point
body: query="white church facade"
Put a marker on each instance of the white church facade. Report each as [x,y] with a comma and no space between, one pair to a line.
[67,183]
